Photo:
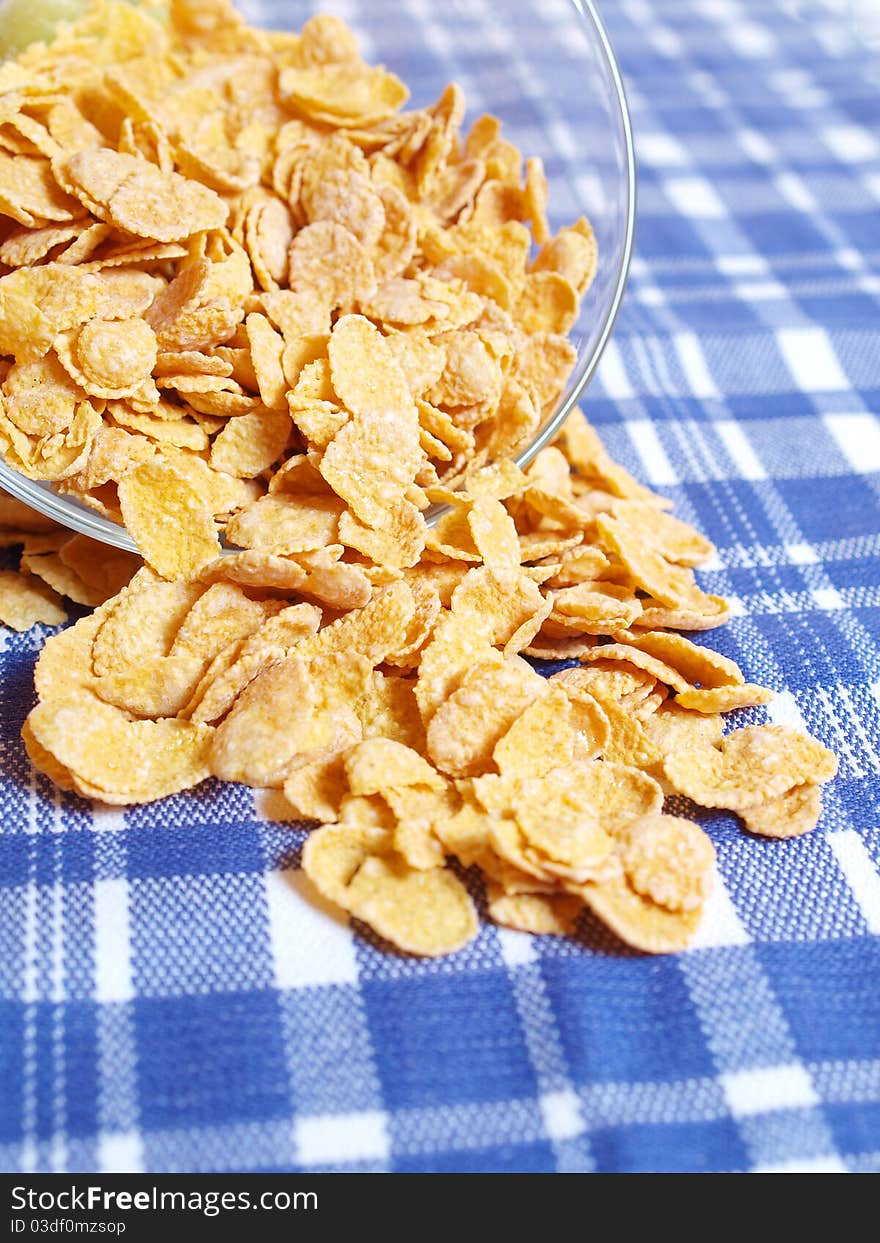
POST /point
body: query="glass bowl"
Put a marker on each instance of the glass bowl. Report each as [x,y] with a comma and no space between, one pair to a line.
[548,71]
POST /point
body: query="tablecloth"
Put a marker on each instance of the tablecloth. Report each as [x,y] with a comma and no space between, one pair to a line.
[170,996]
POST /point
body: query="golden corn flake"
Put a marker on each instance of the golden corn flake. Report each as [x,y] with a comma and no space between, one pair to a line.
[112,358]
[544,914]
[316,788]
[791,815]
[638,921]
[421,912]
[724,698]
[465,730]
[669,861]
[157,686]
[571,815]
[698,665]
[139,198]
[541,738]
[379,763]
[258,741]
[752,766]
[169,519]
[251,443]
[117,760]
[332,857]
[141,621]
[25,602]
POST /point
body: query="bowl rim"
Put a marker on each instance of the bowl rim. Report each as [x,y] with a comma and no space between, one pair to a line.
[587,11]
[78,518]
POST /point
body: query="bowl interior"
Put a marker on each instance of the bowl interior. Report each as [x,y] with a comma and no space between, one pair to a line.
[548,72]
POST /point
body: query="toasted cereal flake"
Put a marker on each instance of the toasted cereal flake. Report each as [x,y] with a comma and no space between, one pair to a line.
[258,741]
[286,525]
[371,460]
[365,373]
[596,608]
[398,545]
[541,738]
[465,730]
[752,766]
[573,255]
[611,679]
[513,610]
[30,194]
[673,585]
[141,621]
[115,759]
[587,718]
[61,578]
[379,763]
[256,569]
[157,686]
[38,303]
[346,94]
[115,357]
[221,615]
[421,912]
[792,814]
[639,922]
[223,494]
[495,536]
[349,198]
[374,630]
[169,519]
[672,730]
[332,856]
[669,536]
[577,798]
[235,667]
[367,811]
[561,819]
[637,659]
[63,669]
[725,698]
[316,788]
[251,443]
[267,348]
[44,762]
[459,642]
[699,665]
[417,811]
[330,266]
[628,742]
[134,195]
[26,247]
[25,602]
[389,710]
[668,860]
[548,914]
[39,397]
[548,303]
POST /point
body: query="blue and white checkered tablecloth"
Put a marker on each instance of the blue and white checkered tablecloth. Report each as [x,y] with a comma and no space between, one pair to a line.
[170,999]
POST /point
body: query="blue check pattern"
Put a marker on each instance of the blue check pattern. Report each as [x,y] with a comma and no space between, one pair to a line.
[172,999]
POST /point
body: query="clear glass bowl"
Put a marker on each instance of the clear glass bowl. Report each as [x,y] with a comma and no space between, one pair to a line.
[549,72]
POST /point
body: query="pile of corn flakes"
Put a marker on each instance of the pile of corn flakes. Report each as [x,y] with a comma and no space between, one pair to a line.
[245,294]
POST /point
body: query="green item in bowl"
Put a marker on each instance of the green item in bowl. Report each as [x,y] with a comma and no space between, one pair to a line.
[23,21]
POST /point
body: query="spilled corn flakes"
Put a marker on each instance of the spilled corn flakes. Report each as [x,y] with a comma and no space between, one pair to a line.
[246,295]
